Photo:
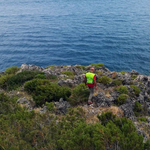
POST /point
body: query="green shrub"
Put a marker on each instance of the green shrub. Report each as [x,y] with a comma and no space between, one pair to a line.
[123,72]
[41,76]
[121,99]
[136,90]
[53,77]
[122,89]
[79,94]
[43,90]
[11,70]
[4,81]
[99,73]
[80,67]
[97,65]
[134,76]
[50,106]
[68,73]
[142,119]
[105,117]
[104,80]
[117,82]
[19,79]
[137,107]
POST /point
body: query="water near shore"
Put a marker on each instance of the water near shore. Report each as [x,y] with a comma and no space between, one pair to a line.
[44,32]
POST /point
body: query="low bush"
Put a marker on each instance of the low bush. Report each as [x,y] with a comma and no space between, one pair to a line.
[121,99]
[19,79]
[117,82]
[136,90]
[43,91]
[50,106]
[80,67]
[79,94]
[123,72]
[122,89]
[52,77]
[142,119]
[4,81]
[114,75]
[137,109]
[68,73]
[11,70]
[41,76]
[99,73]
[134,76]
[97,65]
[104,80]
[105,117]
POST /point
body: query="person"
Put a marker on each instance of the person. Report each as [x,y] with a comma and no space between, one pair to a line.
[90,81]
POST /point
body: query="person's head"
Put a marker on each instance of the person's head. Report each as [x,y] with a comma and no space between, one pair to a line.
[92,69]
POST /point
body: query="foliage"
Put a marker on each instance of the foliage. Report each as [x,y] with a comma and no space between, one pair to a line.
[23,130]
[19,79]
[137,109]
[68,73]
[41,76]
[123,72]
[136,90]
[142,119]
[104,80]
[99,73]
[134,76]
[11,70]
[43,90]
[97,65]
[80,67]
[4,81]
[79,94]
[52,77]
[122,89]
[121,99]
[50,106]
[117,82]
[105,117]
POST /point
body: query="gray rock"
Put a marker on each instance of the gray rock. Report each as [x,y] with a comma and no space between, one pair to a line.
[25,102]
[43,110]
[68,82]
[30,68]
[128,110]
[134,72]
[61,106]
[102,100]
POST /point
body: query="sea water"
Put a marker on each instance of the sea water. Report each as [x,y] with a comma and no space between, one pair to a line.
[44,32]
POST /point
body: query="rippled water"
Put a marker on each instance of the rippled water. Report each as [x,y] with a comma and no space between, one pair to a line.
[44,32]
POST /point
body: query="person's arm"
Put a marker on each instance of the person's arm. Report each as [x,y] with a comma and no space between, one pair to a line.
[95,83]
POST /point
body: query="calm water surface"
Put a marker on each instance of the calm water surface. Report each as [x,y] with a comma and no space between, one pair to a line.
[45,32]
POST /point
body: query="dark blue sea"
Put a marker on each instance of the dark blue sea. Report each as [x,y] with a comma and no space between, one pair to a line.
[44,32]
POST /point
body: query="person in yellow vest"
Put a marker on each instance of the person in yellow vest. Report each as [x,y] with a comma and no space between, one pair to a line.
[90,81]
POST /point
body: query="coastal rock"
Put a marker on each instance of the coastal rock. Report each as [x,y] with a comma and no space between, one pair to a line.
[134,72]
[43,110]
[61,106]
[25,102]
[68,82]
[30,68]
[102,100]
[128,110]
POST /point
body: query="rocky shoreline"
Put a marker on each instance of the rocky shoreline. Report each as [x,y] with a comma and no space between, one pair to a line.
[133,85]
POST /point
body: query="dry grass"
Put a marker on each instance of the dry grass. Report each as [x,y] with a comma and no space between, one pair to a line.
[114,109]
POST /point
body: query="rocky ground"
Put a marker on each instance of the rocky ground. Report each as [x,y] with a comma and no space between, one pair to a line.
[104,97]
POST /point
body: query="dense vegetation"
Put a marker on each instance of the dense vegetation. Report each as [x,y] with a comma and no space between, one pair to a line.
[22,130]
